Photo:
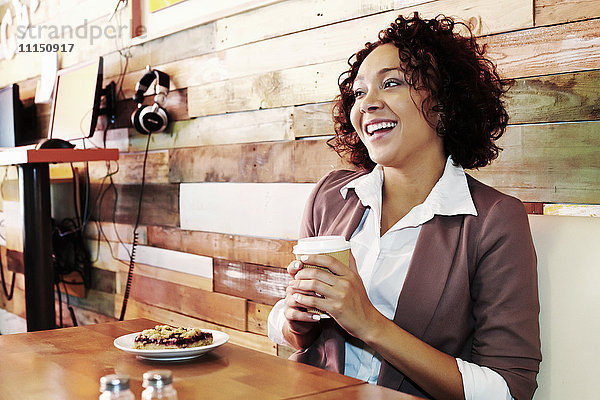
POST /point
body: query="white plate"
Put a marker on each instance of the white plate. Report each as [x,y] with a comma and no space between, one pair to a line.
[125,343]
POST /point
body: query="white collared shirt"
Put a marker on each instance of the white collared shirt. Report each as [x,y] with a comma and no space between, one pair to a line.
[383,262]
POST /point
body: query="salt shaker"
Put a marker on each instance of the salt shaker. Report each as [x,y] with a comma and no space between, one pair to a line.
[115,387]
[158,384]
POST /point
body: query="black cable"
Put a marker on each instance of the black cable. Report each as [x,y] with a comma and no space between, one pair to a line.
[135,235]
[8,295]
[69,307]
[110,186]
[60,319]
[120,82]
[110,174]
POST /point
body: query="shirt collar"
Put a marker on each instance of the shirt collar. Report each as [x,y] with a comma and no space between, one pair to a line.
[449,196]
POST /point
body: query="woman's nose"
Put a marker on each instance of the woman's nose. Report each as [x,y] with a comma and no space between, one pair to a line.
[370,102]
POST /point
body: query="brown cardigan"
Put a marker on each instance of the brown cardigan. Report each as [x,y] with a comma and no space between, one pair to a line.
[471,288]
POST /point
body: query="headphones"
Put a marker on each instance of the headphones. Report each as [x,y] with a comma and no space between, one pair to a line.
[154,118]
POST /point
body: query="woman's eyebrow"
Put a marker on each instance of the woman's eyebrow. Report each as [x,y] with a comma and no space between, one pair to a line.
[382,71]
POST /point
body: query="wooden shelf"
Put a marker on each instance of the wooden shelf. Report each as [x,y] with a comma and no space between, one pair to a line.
[26,155]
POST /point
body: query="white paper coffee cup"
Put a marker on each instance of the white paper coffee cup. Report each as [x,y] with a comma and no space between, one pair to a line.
[335,246]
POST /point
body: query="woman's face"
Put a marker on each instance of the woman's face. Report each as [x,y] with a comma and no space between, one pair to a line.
[387,115]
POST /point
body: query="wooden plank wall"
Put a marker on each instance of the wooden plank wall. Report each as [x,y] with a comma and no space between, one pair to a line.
[250,101]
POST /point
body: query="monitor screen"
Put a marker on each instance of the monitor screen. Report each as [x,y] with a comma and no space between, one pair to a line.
[10,116]
[76,103]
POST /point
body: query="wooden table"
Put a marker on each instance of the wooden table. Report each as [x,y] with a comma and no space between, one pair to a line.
[37,226]
[68,363]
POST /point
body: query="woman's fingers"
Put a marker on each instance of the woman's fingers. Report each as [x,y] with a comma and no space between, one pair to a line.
[296,315]
[295,311]
[318,274]
[314,286]
[294,267]
[325,261]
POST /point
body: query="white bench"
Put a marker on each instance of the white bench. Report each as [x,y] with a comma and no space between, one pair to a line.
[568,250]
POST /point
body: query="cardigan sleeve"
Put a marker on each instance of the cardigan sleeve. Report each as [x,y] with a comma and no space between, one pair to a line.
[505,295]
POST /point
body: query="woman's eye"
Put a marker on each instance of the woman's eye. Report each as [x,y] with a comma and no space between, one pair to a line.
[358,93]
[391,83]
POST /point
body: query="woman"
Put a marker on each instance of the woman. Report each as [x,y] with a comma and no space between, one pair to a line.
[441,300]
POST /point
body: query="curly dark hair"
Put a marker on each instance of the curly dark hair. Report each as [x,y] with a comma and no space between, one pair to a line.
[461,85]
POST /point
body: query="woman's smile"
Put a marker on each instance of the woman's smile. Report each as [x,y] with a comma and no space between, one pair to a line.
[378,127]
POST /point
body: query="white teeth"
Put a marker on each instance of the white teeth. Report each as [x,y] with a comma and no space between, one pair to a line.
[381,125]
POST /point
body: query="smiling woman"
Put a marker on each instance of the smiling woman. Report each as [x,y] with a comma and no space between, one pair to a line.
[440,299]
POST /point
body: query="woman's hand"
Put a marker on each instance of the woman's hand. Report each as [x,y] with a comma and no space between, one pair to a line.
[342,294]
[300,328]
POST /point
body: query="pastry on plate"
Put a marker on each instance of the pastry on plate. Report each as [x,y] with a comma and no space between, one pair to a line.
[169,337]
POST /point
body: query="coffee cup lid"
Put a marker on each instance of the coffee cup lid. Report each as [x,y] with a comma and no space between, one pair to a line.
[321,244]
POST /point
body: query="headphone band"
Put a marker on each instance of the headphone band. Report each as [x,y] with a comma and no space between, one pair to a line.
[142,86]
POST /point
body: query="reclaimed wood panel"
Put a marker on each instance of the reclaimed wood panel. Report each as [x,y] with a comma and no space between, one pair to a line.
[313,120]
[161,274]
[564,97]
[17,304]
[249,209]
[244,127]
[214,307]
[291,16]
[301,85]
[108,231]
[10,189]
[534,208]
[82,316]
[257,317]
[314,158]
[128,170]
[250,340]
[75,287]
[14,260]
[546,50]
[178,261]
[285,351]
[115,139]
[258,283]
[95,300]
[101,280]
[9,272]
[13,225]
[579,210]
[549,12]
[341,40]
[548,163]
[255,162]
[291,161]
[275,252]
[104,255]
[160,204]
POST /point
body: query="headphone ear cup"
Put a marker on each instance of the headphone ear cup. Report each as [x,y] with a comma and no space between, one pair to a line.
[147,120]
[136,121]
[153,119]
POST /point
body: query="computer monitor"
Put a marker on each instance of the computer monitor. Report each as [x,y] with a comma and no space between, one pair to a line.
[76,106]
[17,123]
